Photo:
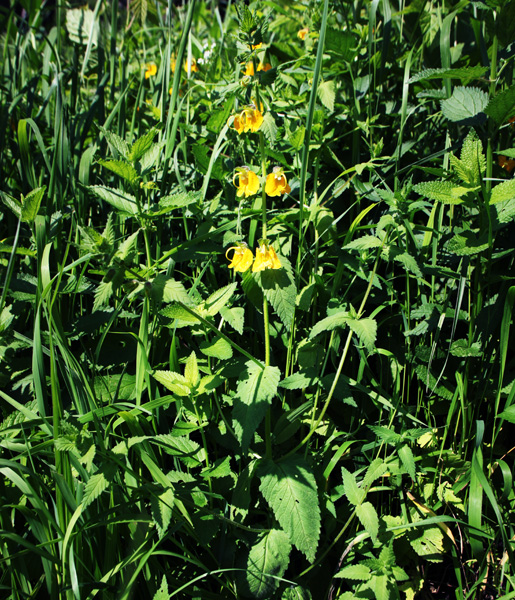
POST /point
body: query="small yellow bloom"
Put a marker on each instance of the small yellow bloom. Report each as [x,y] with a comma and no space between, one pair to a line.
[193,66]
[264,67]
[276,183]
[506,163]
[151,70]
[302,33]
[266,258]
[257,46]
[241,259]
[249,69]
[250,119]
[248,182]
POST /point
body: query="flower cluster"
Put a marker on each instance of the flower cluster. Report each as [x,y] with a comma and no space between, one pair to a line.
[249,119]
[247,182]
[242,258]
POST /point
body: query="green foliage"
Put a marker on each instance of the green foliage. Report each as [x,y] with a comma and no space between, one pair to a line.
[464,104]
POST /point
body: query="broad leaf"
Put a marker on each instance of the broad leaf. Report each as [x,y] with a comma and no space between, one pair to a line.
[269,128]
[125,204]
[367,515]
[121,168]
[162,506]
[465,103]
[465,74]
[365,242]
[80,22]
[502,106]
[503,191]
[142,144]
[257,387]
[175,382]
[268,558]
[327,94]
[408,460]
[354,494]
[356,572]
[279,289]
[219,299]
[116,143]
[235,316]
[191,372]
[31,204]
[366,330]
[289,487]
[472,163]
[442,191]
[340,319]
[467,243]
[218,349]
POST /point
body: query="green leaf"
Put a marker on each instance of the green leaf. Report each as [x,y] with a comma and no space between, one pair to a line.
[257,386]
[472,163]
[462,349]
[221,468]
[235,316]
[341,43]
[11,203]
[31,203]
[279,289]
[116,143]
[355,572]
[219,299]
[79,23]
[354,494]
[503,191]
[427,542]
[162,593]
[289,487]
[508,414]
[162,506]
[269,128]
[124,203]
[465,74]
[96,484]
[467,243]
[191,372]
[149,159]
[218,349]
[268,558]
[407,460]
[175,382]
[339,319]
[169,203]
[387,435]
[408,262]
[300,380]
[376,469]
[442,191]
[176,311]
[296,138]
[465,103]
[365,242]
[128,248]
[367,515]
[167,289]
[121,168]
[142,144]
[502,106]
[366,330]
[327,94]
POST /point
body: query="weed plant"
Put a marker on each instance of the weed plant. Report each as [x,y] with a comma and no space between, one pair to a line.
[256,304]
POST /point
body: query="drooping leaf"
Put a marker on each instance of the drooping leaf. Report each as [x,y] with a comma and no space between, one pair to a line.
[365,242]
[366,330]
[219,299]
[355,495]
[257,387]
[235,316]
[464,104]
[503,191]
[191,372]
[289,487]
[31,203]
[267,559]
[142,144]
[408,460]
[11,203]
[278,286]
[327,94]
[124,203]
[465,74]
[467,243]
[220,349]
[502,105]
[339,319]
[97,483]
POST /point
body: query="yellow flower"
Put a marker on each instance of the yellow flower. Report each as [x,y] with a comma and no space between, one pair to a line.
[151,70]
[248,182]
[250,119]
[193,66]
[257,46]
[302,33]
[241,259]
[276,184]
[264,67]
[506,163]
[266,258]
[249,68]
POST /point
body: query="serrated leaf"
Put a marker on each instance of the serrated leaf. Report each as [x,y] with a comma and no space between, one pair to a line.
[339,319]
[367,515]
[149,159]
[268,127]
[296,138]
[162,506]
[11,203]
[366,330]
[466,74]
[409,262]
[218,299]
[235,316]
[162,593]
[341,43]
[467,243]
[355,572]
[502,105]
[505,211]
[191,372]
[428,542]
[166,289]
[128,248]
[503,191]
[289,487]
[220,349]
[407,460]
[472,163]
[327,94]
[465,103]
[124,203]
[142,145]
[354,494]
[209,383]
[462,349]
[256,388]
[221,468]
[387,435]
[120,168]
[279,289]
[508,414]
[175,382]
[169,203]
[376,469]
[31,203]
[442,191]
[96,484]
[267,559]
[176,311]
[79,23]
[116,143]
[365,242]
[300,380]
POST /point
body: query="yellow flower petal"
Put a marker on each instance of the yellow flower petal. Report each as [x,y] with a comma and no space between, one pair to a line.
[241,259]
[266,258]
[276,183]
[302,33]
[151,70]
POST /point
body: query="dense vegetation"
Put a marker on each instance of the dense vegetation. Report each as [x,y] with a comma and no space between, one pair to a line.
[257,272]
